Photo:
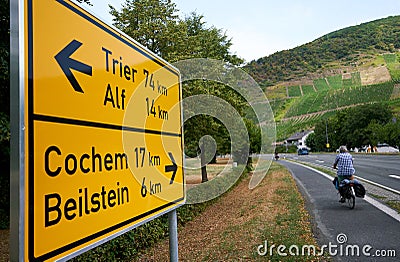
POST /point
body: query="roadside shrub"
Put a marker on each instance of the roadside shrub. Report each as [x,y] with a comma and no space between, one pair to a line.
[129,245]
[4,171]
[282,149]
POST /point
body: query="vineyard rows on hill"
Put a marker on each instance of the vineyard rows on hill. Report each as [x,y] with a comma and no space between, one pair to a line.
[393,65]
[286,128]
[328,83]
[336,98]
[321,84]
[335,82]
[353,81]
[307,89]
[294,91]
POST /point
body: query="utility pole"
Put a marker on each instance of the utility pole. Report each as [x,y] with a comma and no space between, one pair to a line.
[326,134]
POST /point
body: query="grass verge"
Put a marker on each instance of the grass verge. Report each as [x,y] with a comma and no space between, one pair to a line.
[130,245]
[394,204]
[239,222]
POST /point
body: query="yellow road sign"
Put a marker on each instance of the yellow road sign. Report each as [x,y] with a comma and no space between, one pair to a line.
[104,151]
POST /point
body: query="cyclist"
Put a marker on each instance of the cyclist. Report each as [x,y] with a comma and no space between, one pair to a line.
[344,165]
[276,155]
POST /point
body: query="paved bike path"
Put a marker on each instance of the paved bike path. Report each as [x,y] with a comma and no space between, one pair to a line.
[364,225]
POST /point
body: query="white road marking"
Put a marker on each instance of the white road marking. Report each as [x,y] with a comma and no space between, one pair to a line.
[394,176]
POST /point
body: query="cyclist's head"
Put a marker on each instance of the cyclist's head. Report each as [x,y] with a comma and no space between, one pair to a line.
[342,149]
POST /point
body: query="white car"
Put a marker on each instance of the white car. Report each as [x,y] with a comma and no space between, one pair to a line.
[385,148]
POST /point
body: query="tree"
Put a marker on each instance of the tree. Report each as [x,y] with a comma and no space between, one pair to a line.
[355,127]
[206,42]
[4,57]
[374,133]
[254,136]
[310,142]
[391,133]
[154,24]
[358,119]
[320,135]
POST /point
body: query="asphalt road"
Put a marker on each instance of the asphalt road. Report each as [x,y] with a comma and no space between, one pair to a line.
[365,228]
[382,169]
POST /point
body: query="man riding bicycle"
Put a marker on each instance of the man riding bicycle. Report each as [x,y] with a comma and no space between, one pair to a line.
[344,165]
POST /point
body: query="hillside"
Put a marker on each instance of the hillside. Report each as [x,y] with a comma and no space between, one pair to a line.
[348,67]
[332,53]
[345,68]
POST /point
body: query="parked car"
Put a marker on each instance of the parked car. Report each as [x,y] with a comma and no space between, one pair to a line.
[385,148]
[302,151]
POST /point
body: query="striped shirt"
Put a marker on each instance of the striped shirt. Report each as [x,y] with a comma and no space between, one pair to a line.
[344,163]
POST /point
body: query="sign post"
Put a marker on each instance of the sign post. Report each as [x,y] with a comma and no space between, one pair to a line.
[173,236]
[97,143]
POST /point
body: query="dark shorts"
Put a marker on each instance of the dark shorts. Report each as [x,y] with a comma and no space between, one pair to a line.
[341,178]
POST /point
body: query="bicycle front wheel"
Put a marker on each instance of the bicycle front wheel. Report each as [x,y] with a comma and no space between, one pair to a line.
[351,201]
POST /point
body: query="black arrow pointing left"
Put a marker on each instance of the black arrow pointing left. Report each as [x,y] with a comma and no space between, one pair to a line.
[171,168]
[67,63]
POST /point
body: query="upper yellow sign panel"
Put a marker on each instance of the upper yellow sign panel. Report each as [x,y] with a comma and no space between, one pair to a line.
[88,71]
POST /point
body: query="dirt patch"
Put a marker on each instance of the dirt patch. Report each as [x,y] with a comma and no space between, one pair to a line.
[193,176]
[375,75]
[4,245]
[233,227]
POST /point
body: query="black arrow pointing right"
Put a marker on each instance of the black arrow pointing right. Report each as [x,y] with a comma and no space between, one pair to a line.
[67,63]
[171,168]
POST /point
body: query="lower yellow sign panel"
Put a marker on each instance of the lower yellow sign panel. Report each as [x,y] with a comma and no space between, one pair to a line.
[92,182]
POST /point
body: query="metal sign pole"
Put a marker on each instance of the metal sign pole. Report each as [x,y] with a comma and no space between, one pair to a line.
[173,236]
[17,124]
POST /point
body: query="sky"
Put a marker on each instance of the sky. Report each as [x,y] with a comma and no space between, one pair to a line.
[260,28]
